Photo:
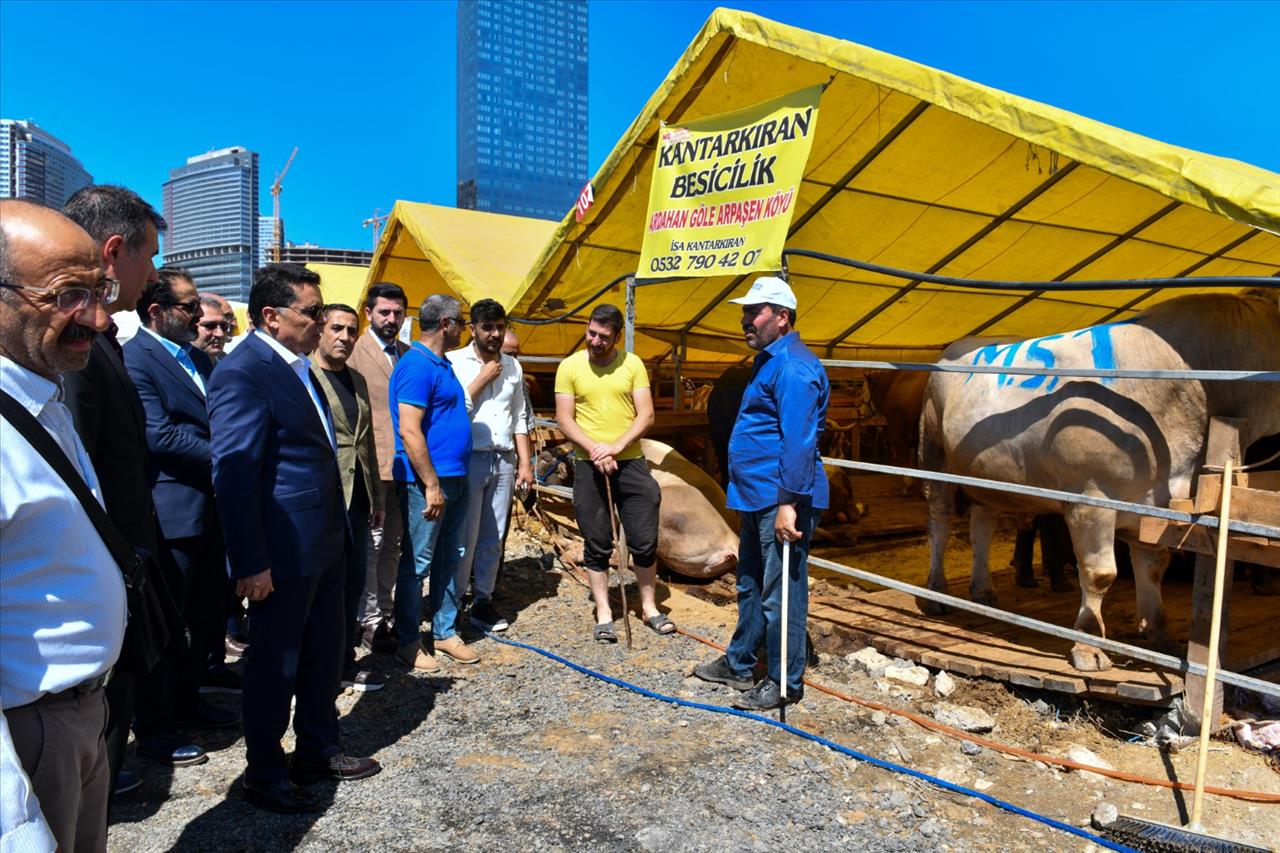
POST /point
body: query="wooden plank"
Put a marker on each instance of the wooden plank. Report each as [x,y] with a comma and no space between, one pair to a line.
[1223,444]
[1202,540]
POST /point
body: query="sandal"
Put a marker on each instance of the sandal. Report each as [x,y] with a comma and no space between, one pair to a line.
[660,624]
[604,633]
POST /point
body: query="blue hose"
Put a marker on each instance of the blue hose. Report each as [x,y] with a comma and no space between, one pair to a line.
[829,744]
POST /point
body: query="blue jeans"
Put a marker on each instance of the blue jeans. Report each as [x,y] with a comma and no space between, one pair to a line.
[430,550]
[760,596]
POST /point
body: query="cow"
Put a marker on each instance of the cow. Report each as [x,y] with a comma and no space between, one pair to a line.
[697,535]
[1141,441]
[898,397]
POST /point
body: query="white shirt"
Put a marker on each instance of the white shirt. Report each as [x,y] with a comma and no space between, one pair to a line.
[182,355]
[498,413]
[62,603]
[301,366]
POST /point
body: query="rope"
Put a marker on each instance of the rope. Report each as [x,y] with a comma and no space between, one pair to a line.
[829,744]
[932,725]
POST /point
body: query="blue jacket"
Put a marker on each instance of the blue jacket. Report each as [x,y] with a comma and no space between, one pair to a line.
[274,471]
[773,452]
[177,431]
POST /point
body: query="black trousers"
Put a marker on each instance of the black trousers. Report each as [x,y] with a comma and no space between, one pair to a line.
[357,569]
[198,585]
[296,638]
[636,495]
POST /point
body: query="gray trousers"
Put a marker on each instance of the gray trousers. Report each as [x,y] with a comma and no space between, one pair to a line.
[491,476]
[384,559]
[59,740]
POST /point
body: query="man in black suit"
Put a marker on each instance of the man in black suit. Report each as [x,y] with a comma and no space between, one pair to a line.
[108,416]
[171,377]
[275,473]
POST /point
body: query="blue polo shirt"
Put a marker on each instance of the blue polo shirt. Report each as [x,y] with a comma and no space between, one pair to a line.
[426,380]
[773,452]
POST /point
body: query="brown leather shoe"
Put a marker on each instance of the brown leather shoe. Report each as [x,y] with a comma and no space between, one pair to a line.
[413,655]
[458,650]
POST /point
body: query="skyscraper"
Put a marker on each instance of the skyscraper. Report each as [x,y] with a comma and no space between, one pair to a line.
[36,165]
[267,237]
[211,205]
[522,105]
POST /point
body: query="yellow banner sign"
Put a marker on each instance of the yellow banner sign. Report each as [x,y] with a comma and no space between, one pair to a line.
[724,189]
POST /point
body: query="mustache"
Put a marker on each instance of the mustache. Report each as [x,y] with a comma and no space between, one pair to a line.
[74,333]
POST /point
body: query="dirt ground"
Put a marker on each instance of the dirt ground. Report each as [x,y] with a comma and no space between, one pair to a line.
[523,752]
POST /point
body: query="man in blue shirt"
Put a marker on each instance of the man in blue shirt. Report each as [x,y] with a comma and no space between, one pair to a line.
[433,446]
[778,487]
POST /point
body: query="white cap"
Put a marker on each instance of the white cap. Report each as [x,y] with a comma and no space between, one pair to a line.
[771,289]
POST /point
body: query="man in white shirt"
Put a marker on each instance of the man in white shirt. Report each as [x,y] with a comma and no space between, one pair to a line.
[500,457]
[62,615]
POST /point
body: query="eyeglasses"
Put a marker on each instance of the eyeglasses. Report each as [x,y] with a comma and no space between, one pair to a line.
[72,299]
[191,306]
[457,320]
[315,313]
[210,325]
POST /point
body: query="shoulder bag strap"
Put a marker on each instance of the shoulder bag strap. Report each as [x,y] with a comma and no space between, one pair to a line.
[38,437]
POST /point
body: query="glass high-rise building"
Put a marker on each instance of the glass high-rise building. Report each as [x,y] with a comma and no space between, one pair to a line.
[522,105]
[211,205]
[36,165]
[267,237]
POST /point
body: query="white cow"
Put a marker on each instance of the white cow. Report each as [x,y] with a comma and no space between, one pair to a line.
[1134,440]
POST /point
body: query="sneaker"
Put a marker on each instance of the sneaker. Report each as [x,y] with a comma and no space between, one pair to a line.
[486,618]
[234,646]
[766,696]
[222,680]
[364,681]
[413,655]
[458,650]
[718,672]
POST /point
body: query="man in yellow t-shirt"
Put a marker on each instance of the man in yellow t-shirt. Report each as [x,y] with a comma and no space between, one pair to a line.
[603,405]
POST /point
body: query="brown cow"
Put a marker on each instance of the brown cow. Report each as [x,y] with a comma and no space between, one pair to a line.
[1141,441]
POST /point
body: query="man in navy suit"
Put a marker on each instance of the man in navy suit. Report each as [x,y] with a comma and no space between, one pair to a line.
[279,494]
[171,377]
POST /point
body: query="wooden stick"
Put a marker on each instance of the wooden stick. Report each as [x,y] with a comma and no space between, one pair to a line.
[1211,664]
[620,538]
[786,584]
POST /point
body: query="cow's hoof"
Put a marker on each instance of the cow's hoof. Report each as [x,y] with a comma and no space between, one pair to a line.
[986,596]
[1026,579]
[1088,659]
[1061,585]
[933,608]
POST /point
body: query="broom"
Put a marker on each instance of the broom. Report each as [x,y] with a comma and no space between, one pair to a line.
[1149,835]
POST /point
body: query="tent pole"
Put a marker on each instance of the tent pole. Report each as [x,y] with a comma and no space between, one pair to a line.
[631,314]
[680,350]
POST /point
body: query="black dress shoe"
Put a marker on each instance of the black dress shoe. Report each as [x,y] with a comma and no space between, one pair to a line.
[203,715]
[339,768]
[171,748]
[222,680]
[282,796]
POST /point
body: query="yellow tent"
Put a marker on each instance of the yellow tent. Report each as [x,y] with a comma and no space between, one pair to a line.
[921,170]
[474,255]
[341,283]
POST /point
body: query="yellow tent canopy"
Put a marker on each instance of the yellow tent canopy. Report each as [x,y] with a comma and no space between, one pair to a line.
[341,283]
[471,254]
[916,169]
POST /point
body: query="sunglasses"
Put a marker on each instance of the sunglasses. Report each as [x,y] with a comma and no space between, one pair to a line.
[315,313]
[191,306]
[210,325]
[72,299]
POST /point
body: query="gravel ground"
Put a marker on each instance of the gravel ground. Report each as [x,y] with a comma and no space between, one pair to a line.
[523,753]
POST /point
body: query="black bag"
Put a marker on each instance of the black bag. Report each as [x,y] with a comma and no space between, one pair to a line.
[156,628]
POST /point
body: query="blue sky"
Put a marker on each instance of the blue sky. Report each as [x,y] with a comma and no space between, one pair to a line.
[366,90]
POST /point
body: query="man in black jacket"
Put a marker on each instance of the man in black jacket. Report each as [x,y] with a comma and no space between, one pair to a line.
[109,418]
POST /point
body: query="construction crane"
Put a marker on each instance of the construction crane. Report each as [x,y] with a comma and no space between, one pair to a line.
[376,221]
[277,233]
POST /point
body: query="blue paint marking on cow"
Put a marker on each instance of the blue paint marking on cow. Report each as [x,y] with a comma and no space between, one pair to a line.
[1101,354]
